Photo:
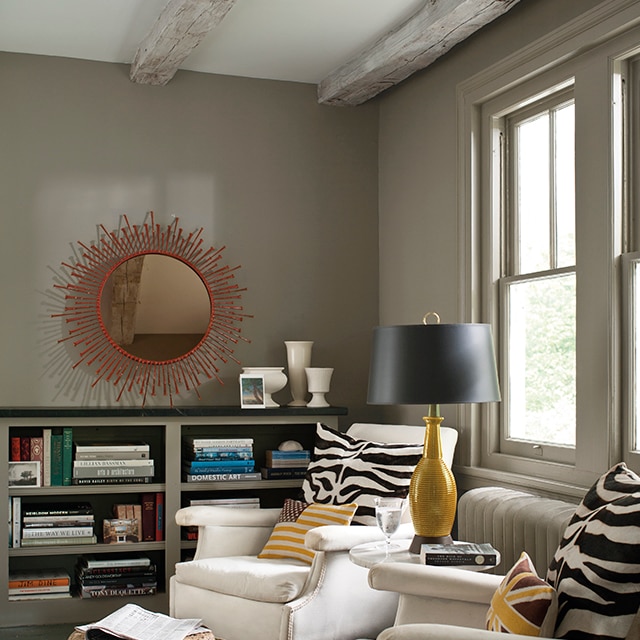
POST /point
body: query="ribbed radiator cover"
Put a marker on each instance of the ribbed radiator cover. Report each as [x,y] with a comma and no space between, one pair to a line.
[514,521]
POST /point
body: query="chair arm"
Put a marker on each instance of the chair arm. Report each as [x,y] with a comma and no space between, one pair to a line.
[434,582]
[338,538]
[203,516]
[442,632]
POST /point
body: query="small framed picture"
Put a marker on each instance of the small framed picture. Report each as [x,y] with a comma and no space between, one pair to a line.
[252,391]
[24,474]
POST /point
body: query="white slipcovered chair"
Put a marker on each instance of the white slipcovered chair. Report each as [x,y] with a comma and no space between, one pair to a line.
[240,597]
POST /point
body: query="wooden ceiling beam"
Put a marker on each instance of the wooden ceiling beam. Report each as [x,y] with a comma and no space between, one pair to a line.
[432,31]
[179,29]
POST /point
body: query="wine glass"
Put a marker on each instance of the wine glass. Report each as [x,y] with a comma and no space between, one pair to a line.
[388,516]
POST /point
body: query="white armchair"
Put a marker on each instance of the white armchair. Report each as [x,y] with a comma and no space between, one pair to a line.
[240,597]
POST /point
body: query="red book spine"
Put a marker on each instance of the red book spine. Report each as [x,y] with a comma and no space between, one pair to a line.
[148,501]
[159,516]
[15,448]
[25,448]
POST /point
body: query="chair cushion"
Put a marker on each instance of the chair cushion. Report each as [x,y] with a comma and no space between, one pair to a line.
[596,569]
[523,603]
[246,577]
[287,538]
[346,469]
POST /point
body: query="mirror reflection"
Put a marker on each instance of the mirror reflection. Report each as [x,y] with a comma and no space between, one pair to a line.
[155,307]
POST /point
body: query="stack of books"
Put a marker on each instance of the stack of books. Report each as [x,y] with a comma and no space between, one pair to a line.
[50,449]
[116,575]
[52,524]
[219,459]
[286,464]
[39,584]
[108,463]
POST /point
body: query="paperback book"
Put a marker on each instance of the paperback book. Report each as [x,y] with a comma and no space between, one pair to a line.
[222,477]
[464,553]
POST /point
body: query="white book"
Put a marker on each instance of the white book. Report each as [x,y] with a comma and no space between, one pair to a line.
[16,516]
[56,532]
[113,463]
[46,457]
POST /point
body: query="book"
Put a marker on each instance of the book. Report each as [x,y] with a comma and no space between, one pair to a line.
[220,454]
[54,521]
[87,449]
[57,509]
[148,516]
[59,540]
[56,532]
[102,592]
[36,454]
[285,464]
[114,560]
[227,502]
[226,464]
[464,553]
[219,468]
[28,579]
[159,513]
[195,442]
[111,462]
[39,596]
[288,455]
[108,472]
[117,571]
[46,457]
[25,448]
[124,580]
[56,458]
[15,449]
[67,455]
[114,480]
[283,473]
[43,589]
[16,516]
[222,477]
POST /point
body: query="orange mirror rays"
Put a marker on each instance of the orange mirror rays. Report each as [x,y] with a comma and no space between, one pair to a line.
[85,291]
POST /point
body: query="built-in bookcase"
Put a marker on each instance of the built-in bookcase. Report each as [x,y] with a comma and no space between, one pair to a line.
[163,429]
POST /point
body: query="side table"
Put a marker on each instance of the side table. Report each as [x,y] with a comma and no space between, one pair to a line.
[369,554]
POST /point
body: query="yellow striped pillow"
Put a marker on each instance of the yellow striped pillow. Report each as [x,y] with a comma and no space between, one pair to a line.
[287,538]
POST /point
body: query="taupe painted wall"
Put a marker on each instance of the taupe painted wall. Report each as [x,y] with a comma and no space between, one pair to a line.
[290,187]
[419,245]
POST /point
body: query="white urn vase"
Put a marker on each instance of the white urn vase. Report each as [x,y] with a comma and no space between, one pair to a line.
[318,384]
[298,358]
[274,380]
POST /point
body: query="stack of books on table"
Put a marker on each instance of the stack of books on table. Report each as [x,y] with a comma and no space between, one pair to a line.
[219,459]
[459,554]
[116,575]
[112,463]
[53,524]
[39,584]
[283,465]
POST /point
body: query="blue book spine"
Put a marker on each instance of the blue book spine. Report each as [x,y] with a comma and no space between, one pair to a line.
[236,455]
[214,468]
[228,464]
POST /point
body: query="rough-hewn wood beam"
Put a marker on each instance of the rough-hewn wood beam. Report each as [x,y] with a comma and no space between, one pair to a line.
[178,31]
[428,34]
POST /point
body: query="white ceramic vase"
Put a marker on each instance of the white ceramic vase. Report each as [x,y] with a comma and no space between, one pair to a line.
[318,384]
[298,358]
[274,380]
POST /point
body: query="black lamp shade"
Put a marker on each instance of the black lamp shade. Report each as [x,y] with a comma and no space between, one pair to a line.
[433,364]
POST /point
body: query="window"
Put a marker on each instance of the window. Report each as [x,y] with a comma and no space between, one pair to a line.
[538,291]
[545,153]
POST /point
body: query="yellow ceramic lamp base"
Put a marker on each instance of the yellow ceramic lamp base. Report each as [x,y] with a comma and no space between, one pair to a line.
[432,492]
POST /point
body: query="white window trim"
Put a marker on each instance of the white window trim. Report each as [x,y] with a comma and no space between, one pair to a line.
[587,32]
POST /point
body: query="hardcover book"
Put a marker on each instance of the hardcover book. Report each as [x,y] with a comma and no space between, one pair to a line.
[463,553]
[222,477]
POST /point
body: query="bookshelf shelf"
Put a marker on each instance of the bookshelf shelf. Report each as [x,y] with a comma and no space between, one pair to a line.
[164,428]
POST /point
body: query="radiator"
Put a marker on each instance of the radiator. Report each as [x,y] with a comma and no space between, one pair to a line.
[514,521]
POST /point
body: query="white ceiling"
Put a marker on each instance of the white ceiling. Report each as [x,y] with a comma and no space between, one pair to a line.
[293,40]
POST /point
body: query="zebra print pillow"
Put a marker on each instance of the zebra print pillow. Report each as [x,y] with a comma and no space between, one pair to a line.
[345,469]
[596,569]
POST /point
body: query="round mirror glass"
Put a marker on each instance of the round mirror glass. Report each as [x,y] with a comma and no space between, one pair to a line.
[155,307]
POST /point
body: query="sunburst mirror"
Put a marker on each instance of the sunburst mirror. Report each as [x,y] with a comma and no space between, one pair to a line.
[151,310]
